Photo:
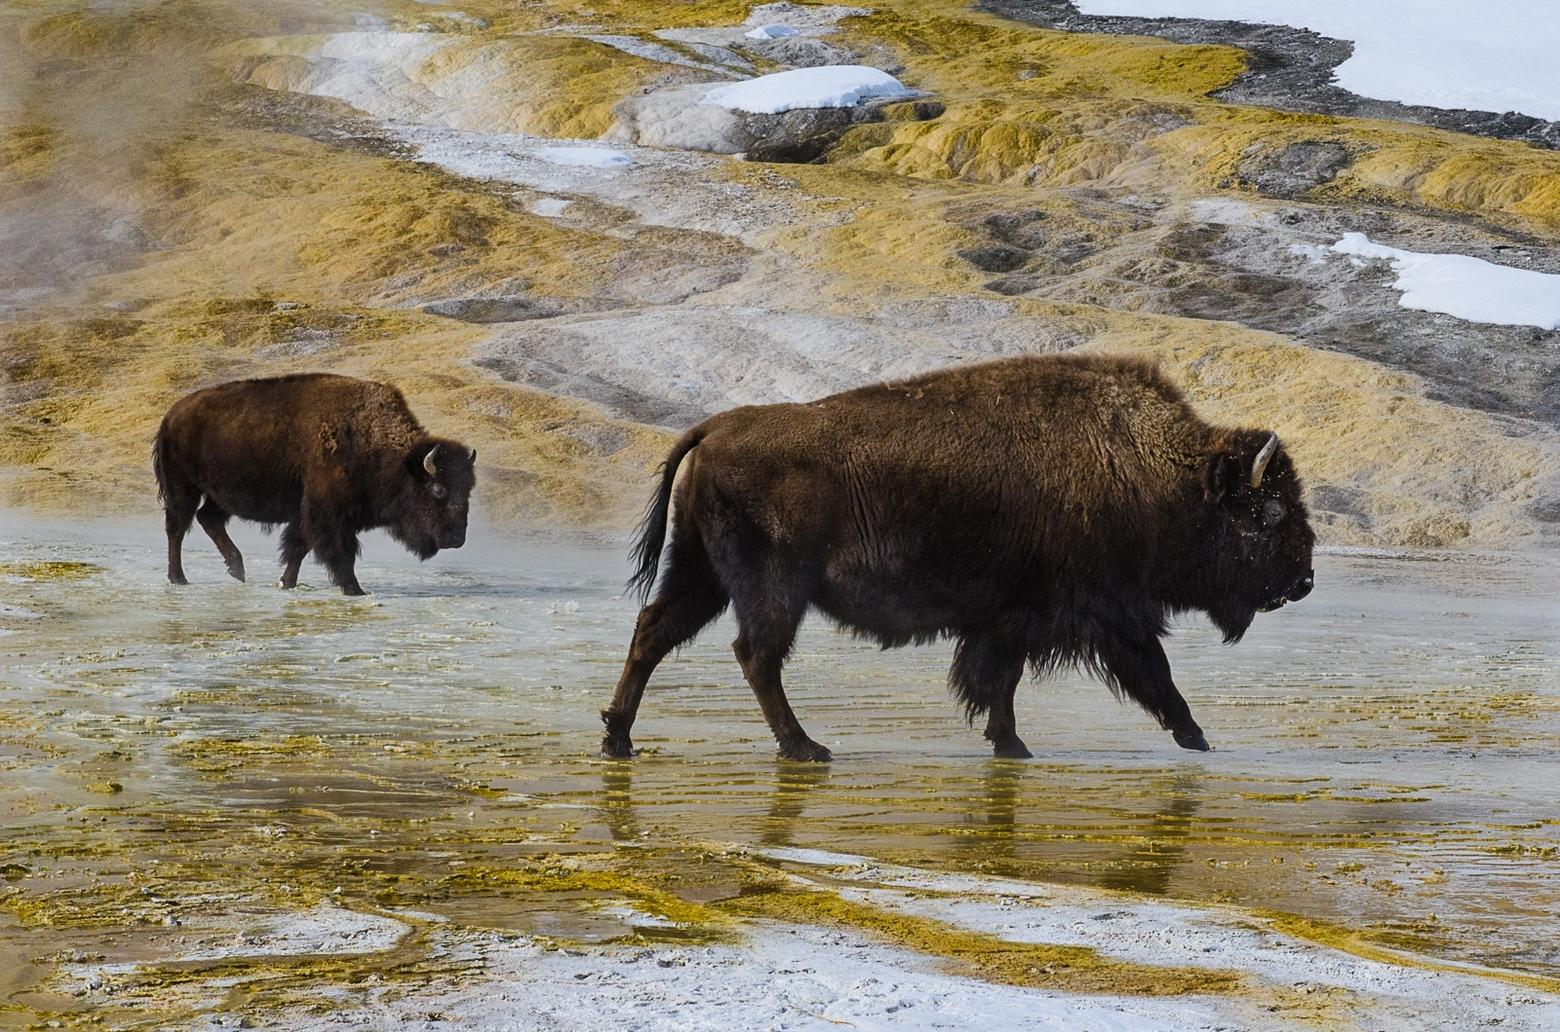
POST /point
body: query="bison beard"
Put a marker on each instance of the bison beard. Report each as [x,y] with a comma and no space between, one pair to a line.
[328,456]
[1050,511]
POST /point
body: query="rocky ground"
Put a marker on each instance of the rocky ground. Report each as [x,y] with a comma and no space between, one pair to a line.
[385,193]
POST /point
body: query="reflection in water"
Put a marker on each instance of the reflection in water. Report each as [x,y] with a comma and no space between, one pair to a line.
[616,805]
[988,837]
[794,784]
[1147,866]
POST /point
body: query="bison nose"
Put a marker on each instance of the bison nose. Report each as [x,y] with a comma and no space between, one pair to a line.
[1303,586]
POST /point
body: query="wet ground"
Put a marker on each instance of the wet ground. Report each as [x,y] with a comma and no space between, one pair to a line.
[179,764]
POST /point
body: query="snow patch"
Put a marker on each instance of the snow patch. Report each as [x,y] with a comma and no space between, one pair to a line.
[1316,254]
[772,32]
[827,86]
[550,207]
[1464,287]
[1498,55]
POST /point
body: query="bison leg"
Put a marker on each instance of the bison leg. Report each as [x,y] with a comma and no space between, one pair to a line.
[213,520]
[689,598]
[761,666]
[769,609]
[339,556]
[1139,668]
[985,674]
[770,600]
[177,515]
[334,546]
[294,548]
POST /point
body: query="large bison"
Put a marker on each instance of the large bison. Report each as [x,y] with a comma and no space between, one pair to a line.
[1043,510]
[329,456]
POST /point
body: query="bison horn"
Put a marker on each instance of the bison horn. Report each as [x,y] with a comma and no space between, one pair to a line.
[428,463]
[1260,463]
[473,455]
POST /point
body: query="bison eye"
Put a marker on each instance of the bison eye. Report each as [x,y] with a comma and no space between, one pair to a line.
[1272,513]
[439,491]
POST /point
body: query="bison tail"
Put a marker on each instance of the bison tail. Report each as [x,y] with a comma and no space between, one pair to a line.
[646,555]
[160,462]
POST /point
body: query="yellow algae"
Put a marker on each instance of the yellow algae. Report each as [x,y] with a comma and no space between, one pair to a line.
[217,758]
[545,85]
[620,15]
[594,886]
[978,955]
[48,569]
[266,225]
[1362,944]
[260,213]
[1043,107]
[27,152]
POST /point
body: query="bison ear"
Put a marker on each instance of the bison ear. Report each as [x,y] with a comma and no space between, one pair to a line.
[1223,475]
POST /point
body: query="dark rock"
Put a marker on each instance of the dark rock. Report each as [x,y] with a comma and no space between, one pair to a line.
[802,134]
[1017,228]
[1071,252]
[1295,170]
[1190,242]
[508,308]
[1345,501]
[995,257]
[1546,510]
[1011,285]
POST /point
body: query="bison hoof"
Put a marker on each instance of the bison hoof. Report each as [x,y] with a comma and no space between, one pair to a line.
[236,571]
[178,578]
[1012,749]
[617,747]
[805,750]
[1192,739]
[352,589]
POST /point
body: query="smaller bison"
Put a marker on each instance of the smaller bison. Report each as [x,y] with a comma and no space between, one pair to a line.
[1046,511]
[328,456]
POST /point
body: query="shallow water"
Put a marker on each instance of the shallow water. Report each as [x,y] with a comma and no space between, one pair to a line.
[1384,756]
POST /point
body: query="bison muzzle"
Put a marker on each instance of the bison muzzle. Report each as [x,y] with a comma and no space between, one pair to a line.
[328,456]
[1051,511]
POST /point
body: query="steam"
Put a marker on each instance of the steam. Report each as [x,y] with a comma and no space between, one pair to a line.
[90,98]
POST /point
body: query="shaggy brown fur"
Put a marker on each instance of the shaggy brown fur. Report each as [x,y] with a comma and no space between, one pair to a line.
[329,456]
[1051,510]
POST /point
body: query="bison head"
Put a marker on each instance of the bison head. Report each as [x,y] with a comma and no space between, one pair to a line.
[1260,547]
[429,511]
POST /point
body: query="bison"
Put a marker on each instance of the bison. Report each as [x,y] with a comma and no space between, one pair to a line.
[1048,510]
[328,456]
